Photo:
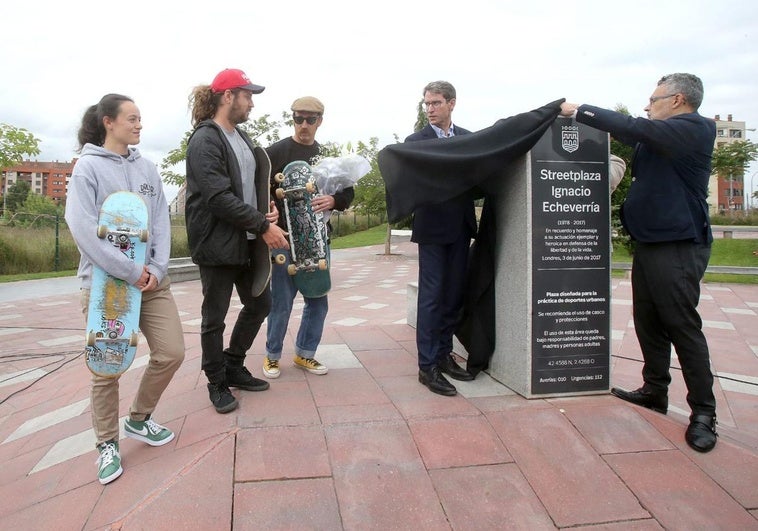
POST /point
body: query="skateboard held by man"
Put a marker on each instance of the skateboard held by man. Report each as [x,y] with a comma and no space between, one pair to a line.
[114,304]
[307,230]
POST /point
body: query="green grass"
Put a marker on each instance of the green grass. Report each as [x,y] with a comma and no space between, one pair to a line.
[373,236]
[737,253]
[734,252]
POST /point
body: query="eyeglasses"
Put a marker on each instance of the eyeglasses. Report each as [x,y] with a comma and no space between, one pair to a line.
[310,119]
[433,104]
[656,98]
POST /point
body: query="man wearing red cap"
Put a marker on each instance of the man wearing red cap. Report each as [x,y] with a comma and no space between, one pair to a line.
[230,229]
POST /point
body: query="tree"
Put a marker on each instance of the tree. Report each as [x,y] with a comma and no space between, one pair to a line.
[14,144]
[16,195]
[731,161]
[40,211]
[259,129]
[421,119]
[617,199]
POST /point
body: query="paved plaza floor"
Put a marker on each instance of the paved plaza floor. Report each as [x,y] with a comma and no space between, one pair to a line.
[366,446]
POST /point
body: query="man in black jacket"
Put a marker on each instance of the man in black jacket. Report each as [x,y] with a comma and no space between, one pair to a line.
[666,213]
[443,232]
[231,224]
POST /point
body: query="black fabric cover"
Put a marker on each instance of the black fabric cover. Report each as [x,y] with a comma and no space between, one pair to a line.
[435,170]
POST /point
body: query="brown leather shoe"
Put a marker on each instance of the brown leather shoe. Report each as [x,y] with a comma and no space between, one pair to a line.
[659,403]
[701,433]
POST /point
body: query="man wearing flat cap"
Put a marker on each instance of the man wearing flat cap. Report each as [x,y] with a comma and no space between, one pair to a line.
[230,229]
[307,115]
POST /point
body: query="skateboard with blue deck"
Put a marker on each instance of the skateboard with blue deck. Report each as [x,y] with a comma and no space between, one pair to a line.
[307,230]
[114,304]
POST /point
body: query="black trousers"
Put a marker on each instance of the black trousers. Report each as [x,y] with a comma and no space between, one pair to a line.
[666,291]
[441,281]
[217,283]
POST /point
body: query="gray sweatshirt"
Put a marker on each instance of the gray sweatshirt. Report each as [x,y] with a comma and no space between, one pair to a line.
[97,174]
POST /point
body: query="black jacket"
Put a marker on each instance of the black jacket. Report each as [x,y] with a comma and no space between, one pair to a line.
[217,217]
[670,171]
[441,223]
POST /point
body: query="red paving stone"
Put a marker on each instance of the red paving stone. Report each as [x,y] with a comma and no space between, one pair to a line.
[366,446]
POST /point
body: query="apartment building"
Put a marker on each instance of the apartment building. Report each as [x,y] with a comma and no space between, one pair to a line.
[725,194]
[44,178]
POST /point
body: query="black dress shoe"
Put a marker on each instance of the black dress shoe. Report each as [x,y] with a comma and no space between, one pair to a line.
[659,403]
[436,383]
[701,433]
[448,366]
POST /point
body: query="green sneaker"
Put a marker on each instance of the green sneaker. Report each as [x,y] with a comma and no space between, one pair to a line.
[109,462]
[148,431]
[310,365]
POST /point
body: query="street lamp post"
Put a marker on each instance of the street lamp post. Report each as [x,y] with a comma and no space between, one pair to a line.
[750,197]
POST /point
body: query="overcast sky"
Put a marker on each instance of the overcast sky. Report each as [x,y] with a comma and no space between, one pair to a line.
[367,61]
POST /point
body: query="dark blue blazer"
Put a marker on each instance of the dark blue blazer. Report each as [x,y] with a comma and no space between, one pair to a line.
[666,201]
[442,223]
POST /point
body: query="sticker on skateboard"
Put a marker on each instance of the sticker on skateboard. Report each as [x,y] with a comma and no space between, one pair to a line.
[114,304]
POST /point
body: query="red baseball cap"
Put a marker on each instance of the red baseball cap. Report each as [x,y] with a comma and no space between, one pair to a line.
[232,78]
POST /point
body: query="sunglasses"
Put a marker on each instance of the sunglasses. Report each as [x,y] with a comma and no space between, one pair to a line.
[310,119]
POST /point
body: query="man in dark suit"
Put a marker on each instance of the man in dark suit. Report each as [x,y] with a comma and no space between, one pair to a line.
[443,232]
[666,214]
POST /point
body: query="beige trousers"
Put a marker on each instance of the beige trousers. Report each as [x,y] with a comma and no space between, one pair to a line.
[160,324]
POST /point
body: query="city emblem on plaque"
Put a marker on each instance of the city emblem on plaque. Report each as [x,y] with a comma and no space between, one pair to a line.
[570,138]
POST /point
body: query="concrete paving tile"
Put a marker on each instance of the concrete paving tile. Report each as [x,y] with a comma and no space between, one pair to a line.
[29,490]
[203,425]
[358,413]
[380,480]
[457,442]
[414,400]
[285,452]
[574,483]
[198,497]
[506,501]
[17,467]
[301,504]
[394,362]
[70,510]
[615,429]
[367,337]
[143,485]
[346,387]
[683,497]
[648,524]
[494,404]
[285,403]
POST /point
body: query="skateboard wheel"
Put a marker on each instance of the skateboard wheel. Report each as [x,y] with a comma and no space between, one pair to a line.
[133,339]
[280,259]
[292,269]
[102,231]
[144,235]
[279,177]
[91,339]
[322,264]
[310,187]
[279,193]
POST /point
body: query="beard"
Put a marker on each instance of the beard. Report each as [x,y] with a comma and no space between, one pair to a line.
[239,112]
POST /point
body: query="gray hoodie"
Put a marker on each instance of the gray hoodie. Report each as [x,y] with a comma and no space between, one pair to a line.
[97,174]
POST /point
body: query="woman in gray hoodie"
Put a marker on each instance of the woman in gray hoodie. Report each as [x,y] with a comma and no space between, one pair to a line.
[107,165]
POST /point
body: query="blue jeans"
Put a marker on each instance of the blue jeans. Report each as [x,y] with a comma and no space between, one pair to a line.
[283,293]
